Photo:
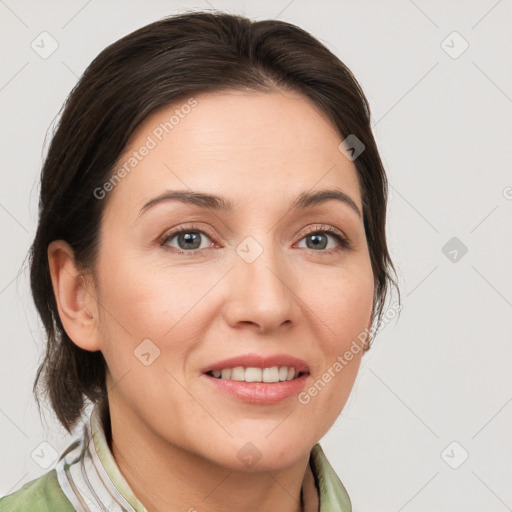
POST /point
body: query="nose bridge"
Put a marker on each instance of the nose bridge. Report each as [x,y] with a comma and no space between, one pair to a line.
[262,282]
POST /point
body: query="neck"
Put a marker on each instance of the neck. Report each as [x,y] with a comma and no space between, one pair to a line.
[166,477]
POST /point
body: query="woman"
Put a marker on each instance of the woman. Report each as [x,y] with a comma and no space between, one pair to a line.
[214,369]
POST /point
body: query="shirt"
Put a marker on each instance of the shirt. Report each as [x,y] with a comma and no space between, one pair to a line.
[87,479]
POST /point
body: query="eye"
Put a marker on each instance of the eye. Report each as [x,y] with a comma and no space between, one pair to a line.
[188,240]
[192,240]
[317,239]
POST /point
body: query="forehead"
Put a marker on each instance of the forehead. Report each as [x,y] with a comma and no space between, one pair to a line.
[246,146]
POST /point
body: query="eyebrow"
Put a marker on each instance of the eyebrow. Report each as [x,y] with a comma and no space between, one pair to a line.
[202,199]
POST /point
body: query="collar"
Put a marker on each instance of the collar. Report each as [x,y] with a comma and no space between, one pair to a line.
[92,481]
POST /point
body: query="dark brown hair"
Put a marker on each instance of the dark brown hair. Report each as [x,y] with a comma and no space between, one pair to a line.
[147,70]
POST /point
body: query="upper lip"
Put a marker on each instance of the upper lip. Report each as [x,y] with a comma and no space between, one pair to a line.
[259,361]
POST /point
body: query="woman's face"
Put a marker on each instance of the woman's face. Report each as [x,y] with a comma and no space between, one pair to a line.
[259,285]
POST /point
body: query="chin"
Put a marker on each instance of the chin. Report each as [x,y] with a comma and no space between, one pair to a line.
[257,453]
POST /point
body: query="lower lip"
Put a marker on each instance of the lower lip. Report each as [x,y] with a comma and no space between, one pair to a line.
[262,393]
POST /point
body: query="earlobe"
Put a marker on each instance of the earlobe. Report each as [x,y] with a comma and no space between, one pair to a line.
[75,298]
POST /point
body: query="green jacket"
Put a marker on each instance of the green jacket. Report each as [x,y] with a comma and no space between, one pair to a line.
[43,494]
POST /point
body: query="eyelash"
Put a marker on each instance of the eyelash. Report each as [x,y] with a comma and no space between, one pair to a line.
[342,240]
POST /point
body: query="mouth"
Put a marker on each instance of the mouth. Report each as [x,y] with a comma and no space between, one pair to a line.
[258,379]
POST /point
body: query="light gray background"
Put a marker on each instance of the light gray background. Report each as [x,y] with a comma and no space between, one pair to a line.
[442,372]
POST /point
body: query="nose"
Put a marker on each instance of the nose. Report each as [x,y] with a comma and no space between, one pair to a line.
[261,291]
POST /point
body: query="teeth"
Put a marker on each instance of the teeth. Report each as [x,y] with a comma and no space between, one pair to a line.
[251,374]
[271,374]
[238,373]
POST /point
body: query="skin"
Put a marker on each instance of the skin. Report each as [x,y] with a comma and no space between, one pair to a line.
[175,437]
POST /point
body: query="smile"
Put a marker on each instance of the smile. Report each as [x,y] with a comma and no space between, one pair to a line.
[258,379]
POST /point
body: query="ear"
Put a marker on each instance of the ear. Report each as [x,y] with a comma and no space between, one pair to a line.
[75,297]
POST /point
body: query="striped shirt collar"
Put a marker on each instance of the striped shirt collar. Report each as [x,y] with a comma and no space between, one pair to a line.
[90,478]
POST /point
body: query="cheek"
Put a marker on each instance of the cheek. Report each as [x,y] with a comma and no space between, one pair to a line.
[144,299]
[345,313]
[344,305]
[344,310]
